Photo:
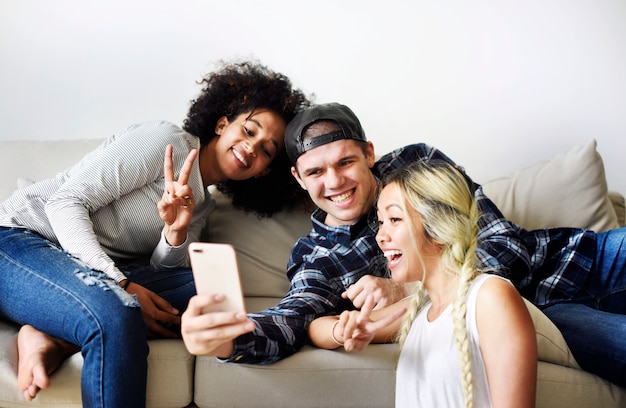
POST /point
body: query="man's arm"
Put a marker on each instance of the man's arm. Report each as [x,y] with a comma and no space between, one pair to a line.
[282,330]
[500,246]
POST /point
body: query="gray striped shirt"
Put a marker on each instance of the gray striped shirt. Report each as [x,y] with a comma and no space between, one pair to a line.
[105,206]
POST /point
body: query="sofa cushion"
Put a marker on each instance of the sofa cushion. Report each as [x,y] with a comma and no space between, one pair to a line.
[310,378]
[619,205]
[568,191]
[551,345]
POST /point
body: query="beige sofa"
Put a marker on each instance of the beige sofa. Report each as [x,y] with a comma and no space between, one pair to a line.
[569,190]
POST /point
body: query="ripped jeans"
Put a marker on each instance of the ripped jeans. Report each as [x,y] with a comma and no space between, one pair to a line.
[43,286]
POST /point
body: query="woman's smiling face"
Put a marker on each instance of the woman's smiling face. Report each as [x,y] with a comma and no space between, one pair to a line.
[247,145]
[402,238]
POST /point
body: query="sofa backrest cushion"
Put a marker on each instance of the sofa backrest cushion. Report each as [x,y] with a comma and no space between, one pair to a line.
[34,160]
[568,191]
[619,205]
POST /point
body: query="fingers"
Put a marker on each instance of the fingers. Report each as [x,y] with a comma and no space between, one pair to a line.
[163,305]
[384,290]
[357,327]
[355,345]
[157,312]
[367,308]
[350,324]
[185,171]
[199,302]
[168,164]
[159,320]
[354,322]
[165,317]
[387,320]
[219,326]
[352,291]
[212,333]
[196,318]
[365,286]
[177,195]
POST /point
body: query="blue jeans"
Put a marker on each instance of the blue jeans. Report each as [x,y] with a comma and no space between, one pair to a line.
[594,322]
[45,287]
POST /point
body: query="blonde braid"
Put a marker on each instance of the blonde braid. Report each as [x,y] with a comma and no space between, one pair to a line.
[465,249]
[459,314]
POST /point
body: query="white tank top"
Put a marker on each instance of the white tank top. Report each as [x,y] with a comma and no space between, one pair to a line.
[429,372]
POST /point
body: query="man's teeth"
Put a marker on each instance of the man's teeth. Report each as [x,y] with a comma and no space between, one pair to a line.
[240,157]
[341,197]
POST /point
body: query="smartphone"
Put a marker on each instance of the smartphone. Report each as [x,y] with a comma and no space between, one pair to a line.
[215,270]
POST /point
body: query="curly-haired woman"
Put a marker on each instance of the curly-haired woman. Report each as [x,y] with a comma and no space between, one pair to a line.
[87,257]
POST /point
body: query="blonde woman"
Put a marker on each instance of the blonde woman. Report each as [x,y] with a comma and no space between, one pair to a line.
[467,339]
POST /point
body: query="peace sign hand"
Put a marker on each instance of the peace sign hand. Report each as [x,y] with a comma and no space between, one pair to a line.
[358,329]
[176,205]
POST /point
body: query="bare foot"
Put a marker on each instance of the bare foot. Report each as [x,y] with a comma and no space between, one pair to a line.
[39,355]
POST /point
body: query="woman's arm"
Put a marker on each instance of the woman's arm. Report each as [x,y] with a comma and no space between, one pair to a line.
[354,329]
[124,164]
[320,331]
[508,344]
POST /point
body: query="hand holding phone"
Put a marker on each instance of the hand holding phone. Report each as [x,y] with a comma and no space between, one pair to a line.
[215,270]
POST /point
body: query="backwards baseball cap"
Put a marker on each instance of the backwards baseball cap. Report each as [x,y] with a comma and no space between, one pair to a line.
[350,128]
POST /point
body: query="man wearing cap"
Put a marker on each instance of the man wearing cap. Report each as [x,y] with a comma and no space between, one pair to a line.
[576,276]
[338,263]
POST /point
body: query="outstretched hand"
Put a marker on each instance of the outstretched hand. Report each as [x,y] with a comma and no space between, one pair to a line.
[177,204]
[358,328]
[212,333]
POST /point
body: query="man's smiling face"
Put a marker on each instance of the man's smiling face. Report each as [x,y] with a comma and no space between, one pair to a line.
[337,176]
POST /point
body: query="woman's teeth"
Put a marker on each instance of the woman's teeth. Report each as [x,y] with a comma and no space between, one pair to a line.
[392,254]
[241,158]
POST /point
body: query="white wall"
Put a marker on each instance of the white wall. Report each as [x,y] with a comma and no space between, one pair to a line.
[496,84]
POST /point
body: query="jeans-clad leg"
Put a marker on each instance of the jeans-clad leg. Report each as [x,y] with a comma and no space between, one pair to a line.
[596,338]
[594,323]
[43,286]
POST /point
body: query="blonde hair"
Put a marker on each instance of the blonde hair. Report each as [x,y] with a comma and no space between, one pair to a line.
[444,199]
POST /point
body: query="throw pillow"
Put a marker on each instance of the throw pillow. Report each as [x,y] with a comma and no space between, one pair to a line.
[568,191]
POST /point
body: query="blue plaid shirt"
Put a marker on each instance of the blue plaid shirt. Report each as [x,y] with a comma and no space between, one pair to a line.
[545,265]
